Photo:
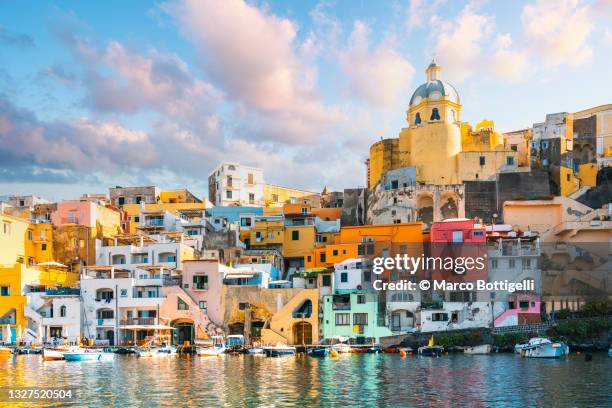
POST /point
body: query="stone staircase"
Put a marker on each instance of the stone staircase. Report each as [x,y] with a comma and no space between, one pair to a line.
[204,327]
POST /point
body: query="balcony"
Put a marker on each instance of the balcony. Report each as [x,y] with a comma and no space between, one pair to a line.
[108,322]
[139,321]
[341,306]
[62,292]
[7,320]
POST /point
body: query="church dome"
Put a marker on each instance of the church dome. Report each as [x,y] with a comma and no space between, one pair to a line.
[434,88]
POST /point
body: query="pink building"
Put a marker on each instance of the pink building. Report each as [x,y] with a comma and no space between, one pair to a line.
[203,281]
[523,308]
[85,213]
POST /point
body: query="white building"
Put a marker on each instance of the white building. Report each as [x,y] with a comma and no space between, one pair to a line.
[121,306]
[236,184]
[55,315]
[353,274]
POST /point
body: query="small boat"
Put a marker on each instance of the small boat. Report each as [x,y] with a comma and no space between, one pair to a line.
[374,350]
[430,350]
[216,350]
[319,352]
[5,352]
[541,347]
[235,344]
[391,349]
[88,355]
[166,351]
[254,351]
[279,350]
[28,350]
[144,352]
[482,349]
[52,355]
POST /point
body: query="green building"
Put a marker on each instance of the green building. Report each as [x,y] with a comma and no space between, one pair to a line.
[354,315]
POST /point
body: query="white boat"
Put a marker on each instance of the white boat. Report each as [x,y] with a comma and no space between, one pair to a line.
[342,348]
[144,352]
[482,349]
[52,355]
[279,350]
[216,350]
[255,351]
[540,347]
[88,355]
[166,351]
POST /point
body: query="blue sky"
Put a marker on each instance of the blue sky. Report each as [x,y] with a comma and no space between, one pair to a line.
[97,94]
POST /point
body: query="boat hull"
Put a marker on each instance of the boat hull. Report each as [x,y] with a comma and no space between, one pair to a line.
[52,355]
[554,350]
[430,351]
[89,356]
[210,352]
[482,349]
[319,352]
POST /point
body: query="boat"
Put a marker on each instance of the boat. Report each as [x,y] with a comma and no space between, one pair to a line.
[28,350]
[52,355]
[254,351]
[482,349]
[519,346]
[88,355]
[374,350]
[166,350]
[234,344]
[319,352]
[541,347]
[216,350]
[144,352]
[5,352]
[279,350]
[430,350]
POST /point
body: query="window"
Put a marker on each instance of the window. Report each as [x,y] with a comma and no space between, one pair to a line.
[200,282]
[121,200]
[435,114]
[138,199]
[457,236]
[275,198]
[245,222]
[5,291]
[203,304]
[250,178]
[228,194]
[7,228]
[322,257]
[30,235]
[105,314]
[511,263]
[360,319]
[367,276]
[304,210]
[344,277]
[439,317]
[527,263]
[514,148]
[63,311]
[22,203]
[136,218]
[417,118]
[361,299]
[43,247]
[295,235]
[494,263]
[335,252]
[326,280]
[343,319]
[182,305]
[394,184]
[251,198]
[544,145]
[510,161]
[478,233]
[31,261]
[309,258]
[229,181]
[482,160]
[123,293]
[568,177]
[524,304]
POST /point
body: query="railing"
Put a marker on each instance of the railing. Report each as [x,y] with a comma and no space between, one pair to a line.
[138,321]
[62,291]
[139,294]
[341,306]
[200,286]
[7,320]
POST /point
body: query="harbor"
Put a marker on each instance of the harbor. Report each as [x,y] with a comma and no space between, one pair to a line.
[245,380]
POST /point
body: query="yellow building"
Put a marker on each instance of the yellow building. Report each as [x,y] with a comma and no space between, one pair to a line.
[22,242]
[276,196]
[441,148]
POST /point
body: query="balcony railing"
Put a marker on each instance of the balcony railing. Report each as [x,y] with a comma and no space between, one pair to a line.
[62,291]
[139,321]
[7,320]
[341,306]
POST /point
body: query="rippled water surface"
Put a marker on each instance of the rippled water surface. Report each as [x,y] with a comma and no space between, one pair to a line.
[356,380]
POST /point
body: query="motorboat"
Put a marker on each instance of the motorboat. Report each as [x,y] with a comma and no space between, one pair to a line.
[52,355]
[279,350]
[216,350]
[255,351]
[166,350]
[430,350]
[482,349]
[234,344]
[541,347]
[88,355]
[144,352]
[319,352]
[374,350]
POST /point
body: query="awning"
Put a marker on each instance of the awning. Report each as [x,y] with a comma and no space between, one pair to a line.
[236,276]
[147,327]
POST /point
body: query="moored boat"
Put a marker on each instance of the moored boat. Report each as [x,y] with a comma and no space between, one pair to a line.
[374,350]
[319,352]
[52,355]
[279,350]
[88,355]
[166,351]
[541,347]
[216,350]
[255,351]
[144,352]
[482,349]
[430,350]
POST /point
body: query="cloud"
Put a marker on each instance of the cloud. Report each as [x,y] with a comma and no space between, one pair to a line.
[419,12]
[558,31]
[506,62]
[254,57]
[459,43]
[15,39]
[379,75]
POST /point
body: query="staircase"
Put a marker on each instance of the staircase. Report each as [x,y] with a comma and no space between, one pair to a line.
[204,327]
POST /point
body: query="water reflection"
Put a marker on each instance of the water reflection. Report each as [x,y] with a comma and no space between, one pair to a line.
[366,380]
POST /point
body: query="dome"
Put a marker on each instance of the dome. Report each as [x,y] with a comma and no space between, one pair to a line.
[434,88]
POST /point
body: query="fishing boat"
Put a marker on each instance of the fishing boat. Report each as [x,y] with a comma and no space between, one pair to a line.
[279,350]
[5,352]
[319,352]
[430,350]
[88,355]
[52,355]
[541,347]
[482,349]
[255,351]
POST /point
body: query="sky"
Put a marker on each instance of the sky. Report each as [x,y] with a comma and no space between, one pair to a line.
[98,94]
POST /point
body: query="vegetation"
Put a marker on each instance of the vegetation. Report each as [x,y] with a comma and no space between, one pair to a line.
[466,338]
[508,340]
[580,330]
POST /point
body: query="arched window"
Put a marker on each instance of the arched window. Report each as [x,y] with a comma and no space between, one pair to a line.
[435,114]
[63,311]
[417,118]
